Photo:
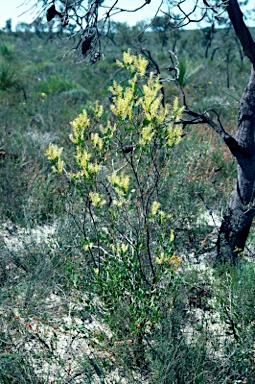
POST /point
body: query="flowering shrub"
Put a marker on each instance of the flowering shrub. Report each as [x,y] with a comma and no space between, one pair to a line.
[122,162]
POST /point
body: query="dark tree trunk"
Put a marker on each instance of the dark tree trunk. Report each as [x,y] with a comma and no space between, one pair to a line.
[238,217]
[237,220]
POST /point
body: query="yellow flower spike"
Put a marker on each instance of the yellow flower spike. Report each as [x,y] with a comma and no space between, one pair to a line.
[154,106]
[113,179]
[175,104]
[96,199]
[94,168]
[136,63]
[128,58]
[171,235]
[119,191]
[153,86]
[175,261]
[133,81]
[98,110]
[140,64]
[162,113]
[151,101]
[124,247]
[119,182]
[116,89]
[123,100]
[177,112]
[154,208]
[122,105]
[112,246]
[53,152]
[88,246]
[97,140]
[60,165]
[174,133]
[147,135]
[119,64]
[119,203]
[124,181]
[113,130]
[171,261]
[79,125]
[161,259]
[82,157]
[102,129]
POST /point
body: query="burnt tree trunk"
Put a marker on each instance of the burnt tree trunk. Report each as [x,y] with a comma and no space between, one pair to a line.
[237,220]
[238,217]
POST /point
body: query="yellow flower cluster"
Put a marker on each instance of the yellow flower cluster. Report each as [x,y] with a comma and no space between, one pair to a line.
[151,100]
[119,203]
[79,125]
[98,110]
[177,111]
[135,63]
[174,131]
[82,159]
[53,153]
[96,199]
[176,261]
[123,101]
[155,207]
[171,236]
[171,261]
[119,183]
[147,134]
[119,248]
[152,108]
[162,258]
[162,216]
[108,130]
[97,140]
[88,246]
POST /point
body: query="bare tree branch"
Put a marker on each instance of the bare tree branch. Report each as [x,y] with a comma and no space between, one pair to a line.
[241,29]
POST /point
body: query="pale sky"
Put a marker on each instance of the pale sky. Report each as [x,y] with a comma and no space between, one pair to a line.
[23,11]
[15,9]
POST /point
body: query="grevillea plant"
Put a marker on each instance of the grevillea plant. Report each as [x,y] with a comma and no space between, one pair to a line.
[120,169]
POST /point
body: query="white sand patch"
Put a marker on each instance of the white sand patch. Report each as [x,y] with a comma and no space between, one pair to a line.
[210,219]
[15,237]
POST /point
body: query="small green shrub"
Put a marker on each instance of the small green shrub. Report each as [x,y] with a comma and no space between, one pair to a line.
[10,76]
[119,175]
[55,84]
[187,71]
[7,51]
[16,369]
